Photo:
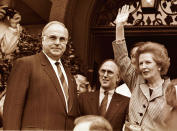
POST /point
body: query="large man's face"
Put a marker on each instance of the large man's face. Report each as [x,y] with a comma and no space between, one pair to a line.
[54,41]
[108,75]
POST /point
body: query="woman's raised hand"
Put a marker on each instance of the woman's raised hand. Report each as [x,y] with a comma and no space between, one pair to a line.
[122,15]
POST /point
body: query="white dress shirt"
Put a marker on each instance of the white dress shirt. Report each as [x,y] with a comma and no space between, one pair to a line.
[52,62]
[176,90]
[123,90]
[110,93]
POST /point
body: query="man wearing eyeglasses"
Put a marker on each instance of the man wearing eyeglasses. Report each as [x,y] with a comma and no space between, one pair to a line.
[41,93]
[106,102]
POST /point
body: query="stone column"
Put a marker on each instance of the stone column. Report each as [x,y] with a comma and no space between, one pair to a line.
[58,10]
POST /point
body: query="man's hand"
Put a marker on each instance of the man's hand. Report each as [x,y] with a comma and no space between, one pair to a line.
[122,15]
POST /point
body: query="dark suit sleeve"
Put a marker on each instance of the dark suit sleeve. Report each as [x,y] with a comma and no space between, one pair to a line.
[15,95]
[80,101]
[127,109]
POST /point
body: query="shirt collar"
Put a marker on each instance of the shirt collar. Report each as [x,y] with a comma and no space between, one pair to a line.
[176,90]
[51,60]
[111,92]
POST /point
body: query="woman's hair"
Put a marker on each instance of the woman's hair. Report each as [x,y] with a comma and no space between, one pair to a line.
[171,94]
[160,55]
[136,45]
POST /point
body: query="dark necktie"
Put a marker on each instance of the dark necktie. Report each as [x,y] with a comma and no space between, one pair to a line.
[104,104]
[62,79]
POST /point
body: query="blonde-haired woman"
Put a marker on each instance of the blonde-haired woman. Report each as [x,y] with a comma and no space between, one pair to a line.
[146,80]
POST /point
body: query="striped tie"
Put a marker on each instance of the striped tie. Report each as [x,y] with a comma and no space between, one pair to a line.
[62,78]
[104,104]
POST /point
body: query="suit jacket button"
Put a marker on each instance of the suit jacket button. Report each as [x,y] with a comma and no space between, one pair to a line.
[141,114]
[144,106]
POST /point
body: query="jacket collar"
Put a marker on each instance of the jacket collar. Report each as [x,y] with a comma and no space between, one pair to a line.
[157,92]
[47,67]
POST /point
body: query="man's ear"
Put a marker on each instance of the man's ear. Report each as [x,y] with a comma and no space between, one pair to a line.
[118,79]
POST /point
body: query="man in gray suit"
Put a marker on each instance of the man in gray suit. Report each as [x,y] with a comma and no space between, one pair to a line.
[41,93]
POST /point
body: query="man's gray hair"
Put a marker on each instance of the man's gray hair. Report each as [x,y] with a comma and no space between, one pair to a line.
[52,23]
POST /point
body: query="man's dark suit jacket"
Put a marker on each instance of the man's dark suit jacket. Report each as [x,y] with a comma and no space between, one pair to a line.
[34,98]
[116,112]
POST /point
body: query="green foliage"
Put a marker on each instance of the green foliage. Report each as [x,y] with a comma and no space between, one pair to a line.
[27,45]
[70,59]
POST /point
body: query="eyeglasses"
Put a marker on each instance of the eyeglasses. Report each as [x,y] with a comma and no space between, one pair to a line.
[108,72]
[54,38]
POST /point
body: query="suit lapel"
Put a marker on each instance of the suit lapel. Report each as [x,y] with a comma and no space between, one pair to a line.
[158,92]
[114,106]
[71,89]
[145,90]
[93,103]
[47,67]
